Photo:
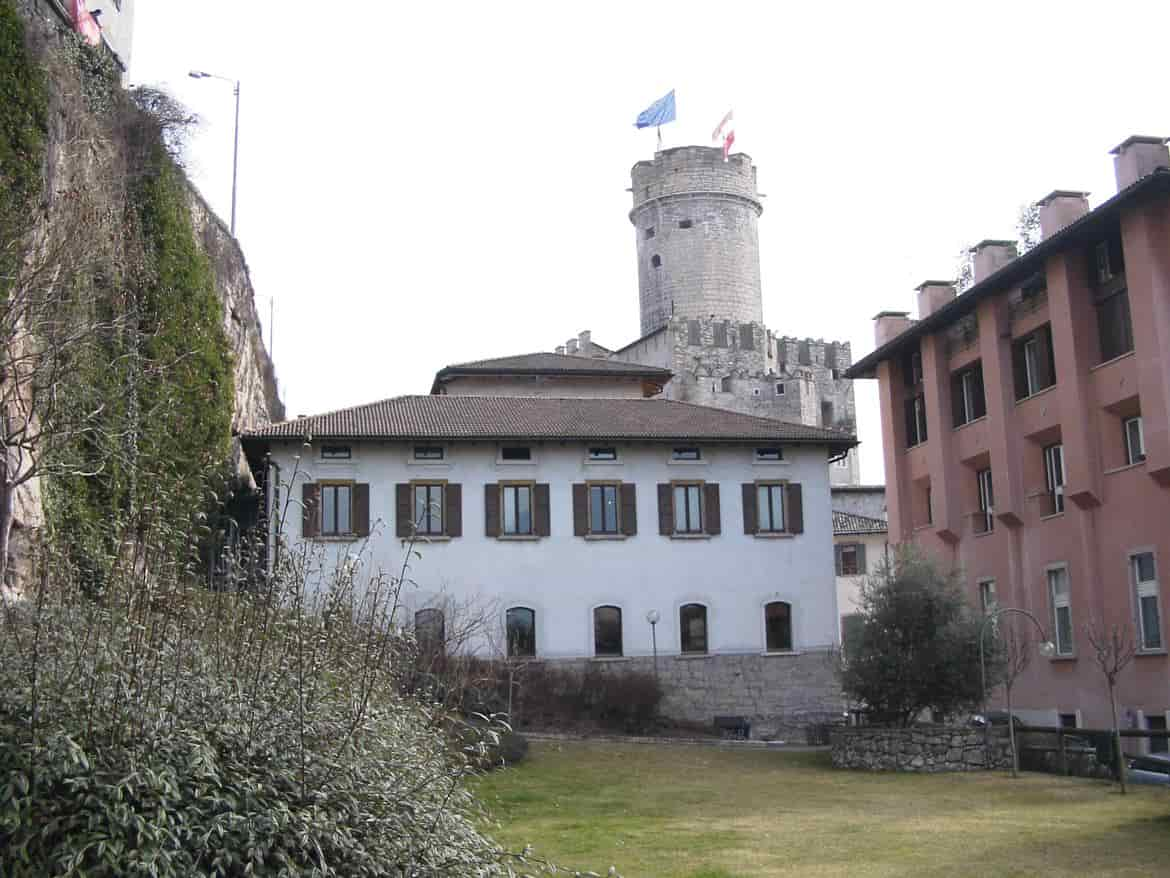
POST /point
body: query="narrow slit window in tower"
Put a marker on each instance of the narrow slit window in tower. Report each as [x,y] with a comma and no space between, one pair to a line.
[649,232]
[684,224]
[656,261]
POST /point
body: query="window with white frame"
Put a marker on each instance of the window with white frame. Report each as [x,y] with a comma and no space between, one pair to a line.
[428,452]
[985,520]
[605,452]
[1135,440]
[1054,477]
[1145,580]
[1058,595]
[987,602]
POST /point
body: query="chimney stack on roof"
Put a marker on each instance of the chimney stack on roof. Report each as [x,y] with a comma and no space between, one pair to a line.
[584,340]
[932,295]
[1137,157]
[890,324]
[989,256]
[560,349]
[1061,208]
[571,346]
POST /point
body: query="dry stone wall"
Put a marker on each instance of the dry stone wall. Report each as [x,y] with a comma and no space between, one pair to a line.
[919,749]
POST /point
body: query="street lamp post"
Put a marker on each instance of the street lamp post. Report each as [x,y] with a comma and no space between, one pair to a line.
[652,617]
[1047,648]
[200,74]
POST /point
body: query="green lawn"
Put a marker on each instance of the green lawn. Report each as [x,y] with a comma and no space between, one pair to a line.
[700,812]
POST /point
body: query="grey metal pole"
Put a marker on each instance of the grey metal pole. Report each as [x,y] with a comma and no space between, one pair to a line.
[235,158]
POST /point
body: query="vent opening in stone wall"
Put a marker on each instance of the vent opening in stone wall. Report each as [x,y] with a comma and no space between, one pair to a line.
[684,224]
[726,384]
[656,261]
[779,388]
[649,232]
[826,414]
[720,333]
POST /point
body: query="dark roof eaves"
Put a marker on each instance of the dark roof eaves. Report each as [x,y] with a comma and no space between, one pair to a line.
[1018,269]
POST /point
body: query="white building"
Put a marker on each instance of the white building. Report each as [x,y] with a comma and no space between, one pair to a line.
[860,544]
[577,520]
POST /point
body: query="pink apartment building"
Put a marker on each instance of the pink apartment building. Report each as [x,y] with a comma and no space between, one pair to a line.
[1026,432]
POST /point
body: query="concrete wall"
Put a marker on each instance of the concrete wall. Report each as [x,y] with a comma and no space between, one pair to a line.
[867,500]
[563,577]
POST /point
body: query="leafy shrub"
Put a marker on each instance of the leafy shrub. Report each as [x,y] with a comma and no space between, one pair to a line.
[621,700]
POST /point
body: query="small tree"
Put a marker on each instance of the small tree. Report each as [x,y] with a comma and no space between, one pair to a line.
[917,645]
[1028,227]
[1113,649]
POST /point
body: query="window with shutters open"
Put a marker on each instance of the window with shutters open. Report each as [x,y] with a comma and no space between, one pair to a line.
[429,509]
[850,559]
[335,509]
[773,508]
[516,510]
[605,510]
[516,518]
[688,507]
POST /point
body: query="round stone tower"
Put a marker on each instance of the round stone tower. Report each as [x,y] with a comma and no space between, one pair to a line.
[698,247]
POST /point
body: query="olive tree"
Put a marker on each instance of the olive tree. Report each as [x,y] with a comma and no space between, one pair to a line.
[917,643]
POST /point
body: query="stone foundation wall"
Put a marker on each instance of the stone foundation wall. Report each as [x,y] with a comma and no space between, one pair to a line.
[780,694]
[924,749]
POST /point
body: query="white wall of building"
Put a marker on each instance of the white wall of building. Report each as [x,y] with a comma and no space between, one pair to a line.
[849,587]
[564,577]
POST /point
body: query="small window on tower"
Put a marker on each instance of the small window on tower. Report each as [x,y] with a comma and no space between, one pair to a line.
[649,232]
[684,224]
[656,261]
[779,388]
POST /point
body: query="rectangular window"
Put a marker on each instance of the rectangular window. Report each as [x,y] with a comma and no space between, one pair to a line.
[1114,325]
[967,398]
[747,337]
[912,368]
[779,388]
[770,508]
[515,452]
[770,453]
[689,453]
[1033,363]
[336,452]
[428,452]
[1145,580]
[987,601]
[517,512]
[688,508]
[985,521]
[1054,478]
[850,562]
[649,232]
[428,508]
[720,335]
[603,509]
[1135,440]
[1068,720]
[1062,626]
[694,333]
[1157,724]
[603,453]
[336,510]
[915,420]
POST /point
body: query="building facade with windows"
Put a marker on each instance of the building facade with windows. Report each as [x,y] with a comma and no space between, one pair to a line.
[1026,432]
[859,547]
[570,524]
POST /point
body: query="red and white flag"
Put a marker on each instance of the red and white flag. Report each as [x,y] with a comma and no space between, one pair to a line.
[726,132]
[85,24]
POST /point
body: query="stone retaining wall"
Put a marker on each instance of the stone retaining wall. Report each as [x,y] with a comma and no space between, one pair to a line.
[780,695]
[924,749]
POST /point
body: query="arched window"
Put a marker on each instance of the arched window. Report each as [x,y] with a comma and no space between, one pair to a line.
[607,631]
[430,630]
[692,626]
[656,261]
[521,625]
[778,626]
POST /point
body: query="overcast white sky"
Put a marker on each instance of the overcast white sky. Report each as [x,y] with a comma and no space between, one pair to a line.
[423,184]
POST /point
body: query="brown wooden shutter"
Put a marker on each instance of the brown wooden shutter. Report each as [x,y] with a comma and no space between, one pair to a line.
[543,511]
[711,522]
[491,509]
[665,510]
[580,510]
[629,511]
[361,510]
[310,509]
[402,506]
[795,509]
[453,495]
[749,508]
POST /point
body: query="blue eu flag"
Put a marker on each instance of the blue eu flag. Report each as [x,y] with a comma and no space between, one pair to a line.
[658,113]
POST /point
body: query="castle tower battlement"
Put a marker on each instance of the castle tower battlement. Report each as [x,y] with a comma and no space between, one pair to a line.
[698,247]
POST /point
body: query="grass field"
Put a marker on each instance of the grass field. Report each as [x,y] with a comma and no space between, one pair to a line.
[700,812]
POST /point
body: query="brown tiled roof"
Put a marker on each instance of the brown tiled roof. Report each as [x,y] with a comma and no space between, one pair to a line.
[849,523]
[1081,231]
[551,364]
[514,417]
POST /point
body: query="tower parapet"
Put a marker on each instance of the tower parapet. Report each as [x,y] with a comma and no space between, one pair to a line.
[698,247]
